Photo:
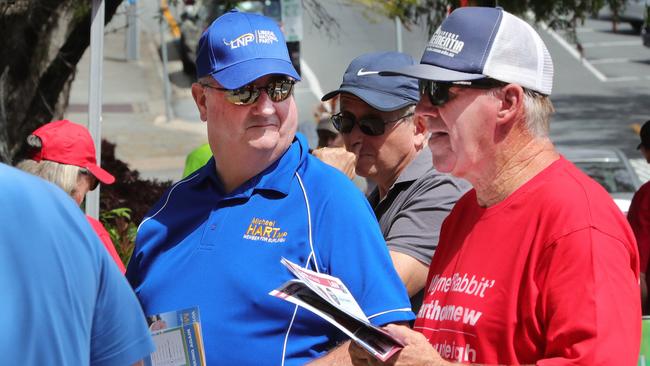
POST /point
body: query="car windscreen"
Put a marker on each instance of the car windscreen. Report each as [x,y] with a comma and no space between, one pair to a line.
[614,176]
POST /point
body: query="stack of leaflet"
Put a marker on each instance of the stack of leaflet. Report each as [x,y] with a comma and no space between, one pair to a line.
[177,335]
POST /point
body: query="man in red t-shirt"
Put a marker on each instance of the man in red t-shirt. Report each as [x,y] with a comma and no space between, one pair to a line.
[639,217]
[536,264]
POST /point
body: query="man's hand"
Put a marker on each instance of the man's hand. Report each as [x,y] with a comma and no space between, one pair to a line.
[417,350]
[337,157]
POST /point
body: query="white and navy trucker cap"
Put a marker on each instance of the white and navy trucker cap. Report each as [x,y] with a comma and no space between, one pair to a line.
[478,42]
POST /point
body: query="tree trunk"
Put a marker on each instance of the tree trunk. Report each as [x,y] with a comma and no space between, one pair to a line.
[42,41]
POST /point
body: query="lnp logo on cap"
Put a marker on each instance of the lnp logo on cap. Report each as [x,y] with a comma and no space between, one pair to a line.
[266,36]
[241,41]
[260,36]
[445,43]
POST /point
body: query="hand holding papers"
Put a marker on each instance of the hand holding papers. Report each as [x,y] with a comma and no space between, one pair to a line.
[327,297]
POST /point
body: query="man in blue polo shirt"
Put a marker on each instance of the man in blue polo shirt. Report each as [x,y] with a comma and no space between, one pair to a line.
[216,238]
[64,301]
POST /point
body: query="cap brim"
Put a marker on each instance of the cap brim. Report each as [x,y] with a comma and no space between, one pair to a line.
[101,174]
[377,100]
[245,72]
[430,72]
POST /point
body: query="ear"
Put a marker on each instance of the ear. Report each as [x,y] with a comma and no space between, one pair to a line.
[421,131]
[198,93]
[511,103]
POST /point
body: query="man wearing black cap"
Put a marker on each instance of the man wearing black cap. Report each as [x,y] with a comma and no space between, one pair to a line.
[639,217]
[536,264]
[412,198]
[215,240]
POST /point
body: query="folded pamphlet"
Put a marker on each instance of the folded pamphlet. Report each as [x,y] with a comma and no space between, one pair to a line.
[327,297]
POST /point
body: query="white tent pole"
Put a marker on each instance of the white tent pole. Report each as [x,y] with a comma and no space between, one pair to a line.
[95,93]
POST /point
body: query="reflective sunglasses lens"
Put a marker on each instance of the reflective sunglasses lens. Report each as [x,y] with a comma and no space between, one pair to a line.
[372,127]
[279,90]
[243,96]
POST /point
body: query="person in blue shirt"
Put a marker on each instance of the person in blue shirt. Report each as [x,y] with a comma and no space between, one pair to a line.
[215,239]
[64,302]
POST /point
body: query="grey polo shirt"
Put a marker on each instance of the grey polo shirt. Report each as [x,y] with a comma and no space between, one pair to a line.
[411,214]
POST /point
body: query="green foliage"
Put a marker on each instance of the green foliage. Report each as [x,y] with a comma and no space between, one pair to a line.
[122,230]
[557,14]
[80,9]
[129,190]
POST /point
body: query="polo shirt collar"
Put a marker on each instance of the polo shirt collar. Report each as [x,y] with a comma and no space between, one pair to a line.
[276,177]
[422,162]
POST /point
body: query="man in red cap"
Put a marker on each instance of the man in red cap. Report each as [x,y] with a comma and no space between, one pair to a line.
[63,153]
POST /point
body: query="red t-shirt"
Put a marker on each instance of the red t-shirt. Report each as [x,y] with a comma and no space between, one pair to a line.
[106,240]
[548,276]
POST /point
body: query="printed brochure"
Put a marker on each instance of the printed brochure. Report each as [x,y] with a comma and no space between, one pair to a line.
[177,335]
[327,297]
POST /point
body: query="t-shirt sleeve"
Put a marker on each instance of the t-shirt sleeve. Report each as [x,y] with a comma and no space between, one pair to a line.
[119,333]
[105,237]
[639,218]
[589,301]
[415,229]
[351,247]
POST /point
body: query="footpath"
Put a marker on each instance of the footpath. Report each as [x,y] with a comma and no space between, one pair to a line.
[133,111]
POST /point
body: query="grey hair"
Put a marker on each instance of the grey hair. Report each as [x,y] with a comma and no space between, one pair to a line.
[538,113]
[408,109]
[205,79]
[63,175]
[538,109]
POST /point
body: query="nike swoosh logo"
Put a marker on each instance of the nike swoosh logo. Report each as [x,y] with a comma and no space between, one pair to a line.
[362,73]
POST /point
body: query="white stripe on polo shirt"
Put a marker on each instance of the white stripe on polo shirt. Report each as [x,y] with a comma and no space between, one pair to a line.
[169,194]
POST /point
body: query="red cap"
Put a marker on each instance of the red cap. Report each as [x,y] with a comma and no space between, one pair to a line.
[69,143]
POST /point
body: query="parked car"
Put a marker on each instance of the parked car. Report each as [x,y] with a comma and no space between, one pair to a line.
[632,13]
[608,166]
[197,15]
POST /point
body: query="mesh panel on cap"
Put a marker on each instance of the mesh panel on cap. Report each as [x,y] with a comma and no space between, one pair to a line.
[519,56]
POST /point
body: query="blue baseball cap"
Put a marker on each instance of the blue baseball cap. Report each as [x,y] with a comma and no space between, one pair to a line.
[362,80]
[480,42]
[238,48]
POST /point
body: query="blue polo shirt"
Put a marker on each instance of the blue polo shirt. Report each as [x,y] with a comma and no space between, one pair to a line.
[201,247]
[63,299]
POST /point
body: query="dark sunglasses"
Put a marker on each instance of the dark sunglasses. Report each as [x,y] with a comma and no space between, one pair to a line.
[438,92]
[94,182]
[370,125]
[278,90]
